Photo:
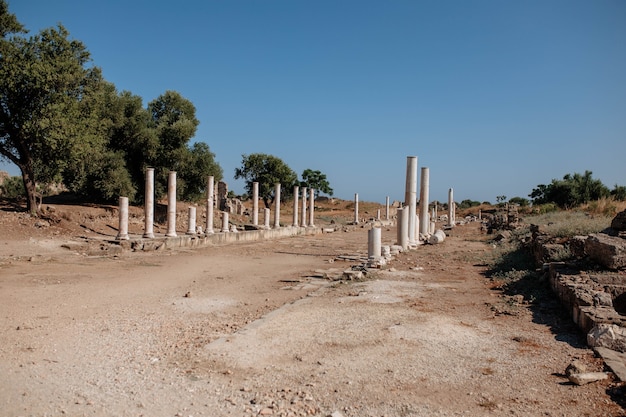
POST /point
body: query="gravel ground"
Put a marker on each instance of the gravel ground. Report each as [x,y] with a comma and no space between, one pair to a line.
[251,329]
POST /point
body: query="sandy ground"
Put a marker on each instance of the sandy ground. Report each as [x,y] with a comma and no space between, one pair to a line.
[251,329]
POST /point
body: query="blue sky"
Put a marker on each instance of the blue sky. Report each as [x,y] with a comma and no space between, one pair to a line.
[494,96]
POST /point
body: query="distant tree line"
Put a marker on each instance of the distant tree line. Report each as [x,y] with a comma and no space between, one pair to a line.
[574,190]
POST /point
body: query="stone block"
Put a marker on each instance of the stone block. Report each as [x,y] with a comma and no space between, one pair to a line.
[619,221]
[608,251]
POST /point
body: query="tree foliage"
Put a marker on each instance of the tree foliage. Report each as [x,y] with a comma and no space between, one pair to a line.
[571,191]
[317,181]
[44,84]
[267,170]
[61,121]
[619,192]
[522,202]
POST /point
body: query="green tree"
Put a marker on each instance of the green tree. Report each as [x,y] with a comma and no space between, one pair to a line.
[317,181]
[267,170]
[522,202]
[174,119]
[199,163]
[43,80]
[619,192]
[131,134]
[571,191]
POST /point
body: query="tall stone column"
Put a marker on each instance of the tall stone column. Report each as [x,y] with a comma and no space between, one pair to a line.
[266,218]
[148,231]
[304,219]
[356,208]
[277,205]
[171,204]
[122,231]
[296,202]
[210,204]
[191,228]
[225,228]
[255,203]
[424,198]
[411,197]
[387,208]
[451,219]
[311,207]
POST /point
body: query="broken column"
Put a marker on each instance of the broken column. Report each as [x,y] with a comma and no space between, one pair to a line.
[356,208]
[191,228]
[451,219]
[149,204]
[411,197]
[374,251]
[304,219]
[424,191]
[277,205]
[403,227]
[255,203]
[122,231]
[210,204]
[296,202]
[266,218]
[225,228]
[311,207]
[171,204]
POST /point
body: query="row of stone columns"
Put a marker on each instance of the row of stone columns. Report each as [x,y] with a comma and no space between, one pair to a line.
[410,227]
[210,204]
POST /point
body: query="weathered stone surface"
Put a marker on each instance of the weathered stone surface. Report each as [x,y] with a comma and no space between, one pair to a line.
[577,246]
[614,360]
[619,222]
[438,237]
[576,367]
[588,377]
[608,251]
[609,336]
[352,275]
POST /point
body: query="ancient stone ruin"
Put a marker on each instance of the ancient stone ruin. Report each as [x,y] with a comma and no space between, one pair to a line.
[591,285]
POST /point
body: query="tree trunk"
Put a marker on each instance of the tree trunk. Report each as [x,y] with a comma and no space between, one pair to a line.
[28,177]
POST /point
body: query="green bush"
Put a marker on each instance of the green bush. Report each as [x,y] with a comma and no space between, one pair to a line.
[13,187]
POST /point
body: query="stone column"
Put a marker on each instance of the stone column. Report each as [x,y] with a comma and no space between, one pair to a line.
[451,220]
[277,205]
[266,219]
[411,197]
[480,214]
[148,231]
[210,204]
[171,204]
[191,229]
[296,202]
[122,231]
[225,228]
[378,215]
[356,208]
[255,203]
[374,248]
[311,207]
[304,219]
[387,208]
[403,227]
[424,191]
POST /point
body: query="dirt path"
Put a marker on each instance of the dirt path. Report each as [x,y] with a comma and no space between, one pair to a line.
[244,330]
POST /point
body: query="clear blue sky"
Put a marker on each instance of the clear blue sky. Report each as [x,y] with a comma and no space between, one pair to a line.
[494,96]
